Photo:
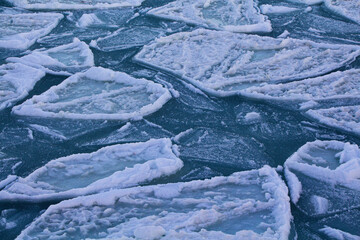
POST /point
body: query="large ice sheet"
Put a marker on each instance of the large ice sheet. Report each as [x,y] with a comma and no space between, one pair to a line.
[98,93]
[323,177]
[117,166]
[345,118]
[230,15]
[245,205]
[74,4]
[224,63]
[16,80]
[349,9]
[20,31]
[63,60]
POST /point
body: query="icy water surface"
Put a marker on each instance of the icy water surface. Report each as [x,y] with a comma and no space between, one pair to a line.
[217,100]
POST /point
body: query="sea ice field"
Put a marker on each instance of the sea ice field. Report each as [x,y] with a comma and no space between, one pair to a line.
[179,119]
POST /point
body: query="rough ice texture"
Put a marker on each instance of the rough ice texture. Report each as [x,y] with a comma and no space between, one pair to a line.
[245,205]
[98,93]
[343,118]
[117,166]
[338,85]
[225,63]
[349,9]
[229,15]
[16,80]
[330,164]
[309,2]
[338,234]
[20,31]
[63,60]
[74,4]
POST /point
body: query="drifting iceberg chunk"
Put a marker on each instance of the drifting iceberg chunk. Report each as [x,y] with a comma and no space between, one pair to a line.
[230,15]
[16,80]
[349,9]
[20,31]
[231,62]
[62,60]
[345,118]
[270,9]
[324,177]
[117,166]
[98,93]
[74,4]
[245,205]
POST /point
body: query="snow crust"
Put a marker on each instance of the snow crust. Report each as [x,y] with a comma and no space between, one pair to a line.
[229,15]
[20,31]
[112,167]
[245,205]
[98,93]
[349,9]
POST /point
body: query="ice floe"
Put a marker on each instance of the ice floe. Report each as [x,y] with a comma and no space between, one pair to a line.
[98,93]
[62,60]
[349,9]
[16,80]
[245,205]
[345,118]
[270,9]
[230,62]
[229,15]
[324,177]
[117,166]
[20,31]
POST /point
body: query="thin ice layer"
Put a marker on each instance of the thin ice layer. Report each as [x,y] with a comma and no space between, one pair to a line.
[245,205]
[343,118]
[117,166]
[349,9]
[98,93]
[229,15]
[224,63]
[74,4]
[20,31]
[323,177]
[16,80]
[63,60]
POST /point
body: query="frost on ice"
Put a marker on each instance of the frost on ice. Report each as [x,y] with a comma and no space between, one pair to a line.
[349,9]
[98,93]
[16,80]
[245,205]
[20,31]
[323,177]
[62,60]
[224,63]
[117,166]
[229,15]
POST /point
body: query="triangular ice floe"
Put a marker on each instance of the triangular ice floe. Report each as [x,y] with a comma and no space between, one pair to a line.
[349,9]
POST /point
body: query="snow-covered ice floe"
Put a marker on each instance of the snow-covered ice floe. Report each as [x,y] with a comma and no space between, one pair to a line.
[16,80]
[245,205]
[309,2]
[349,9]
[117,166]
[324,177]
[338,85]
[229,15]
[270,9]
[63,60]
[225,63]
[20,31]
[74,4]
[98,93]
[346,118]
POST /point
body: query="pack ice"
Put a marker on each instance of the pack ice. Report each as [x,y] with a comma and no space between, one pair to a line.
[74,4]
[324,177]
[225,63]
[245,205]
[63,60]
[20,31]
[229,15]
[16,80]
[98,93]
[349,9]
[117,166]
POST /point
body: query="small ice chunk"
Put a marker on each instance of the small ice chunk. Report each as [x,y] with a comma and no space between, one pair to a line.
[63,60]
[149,232]
[285,34]
[88,20]
[252,116]
[117,166]
[349,9]
[20,31]
[229,15]
[320,204]
[270,9]
[309,2]
[98,93]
